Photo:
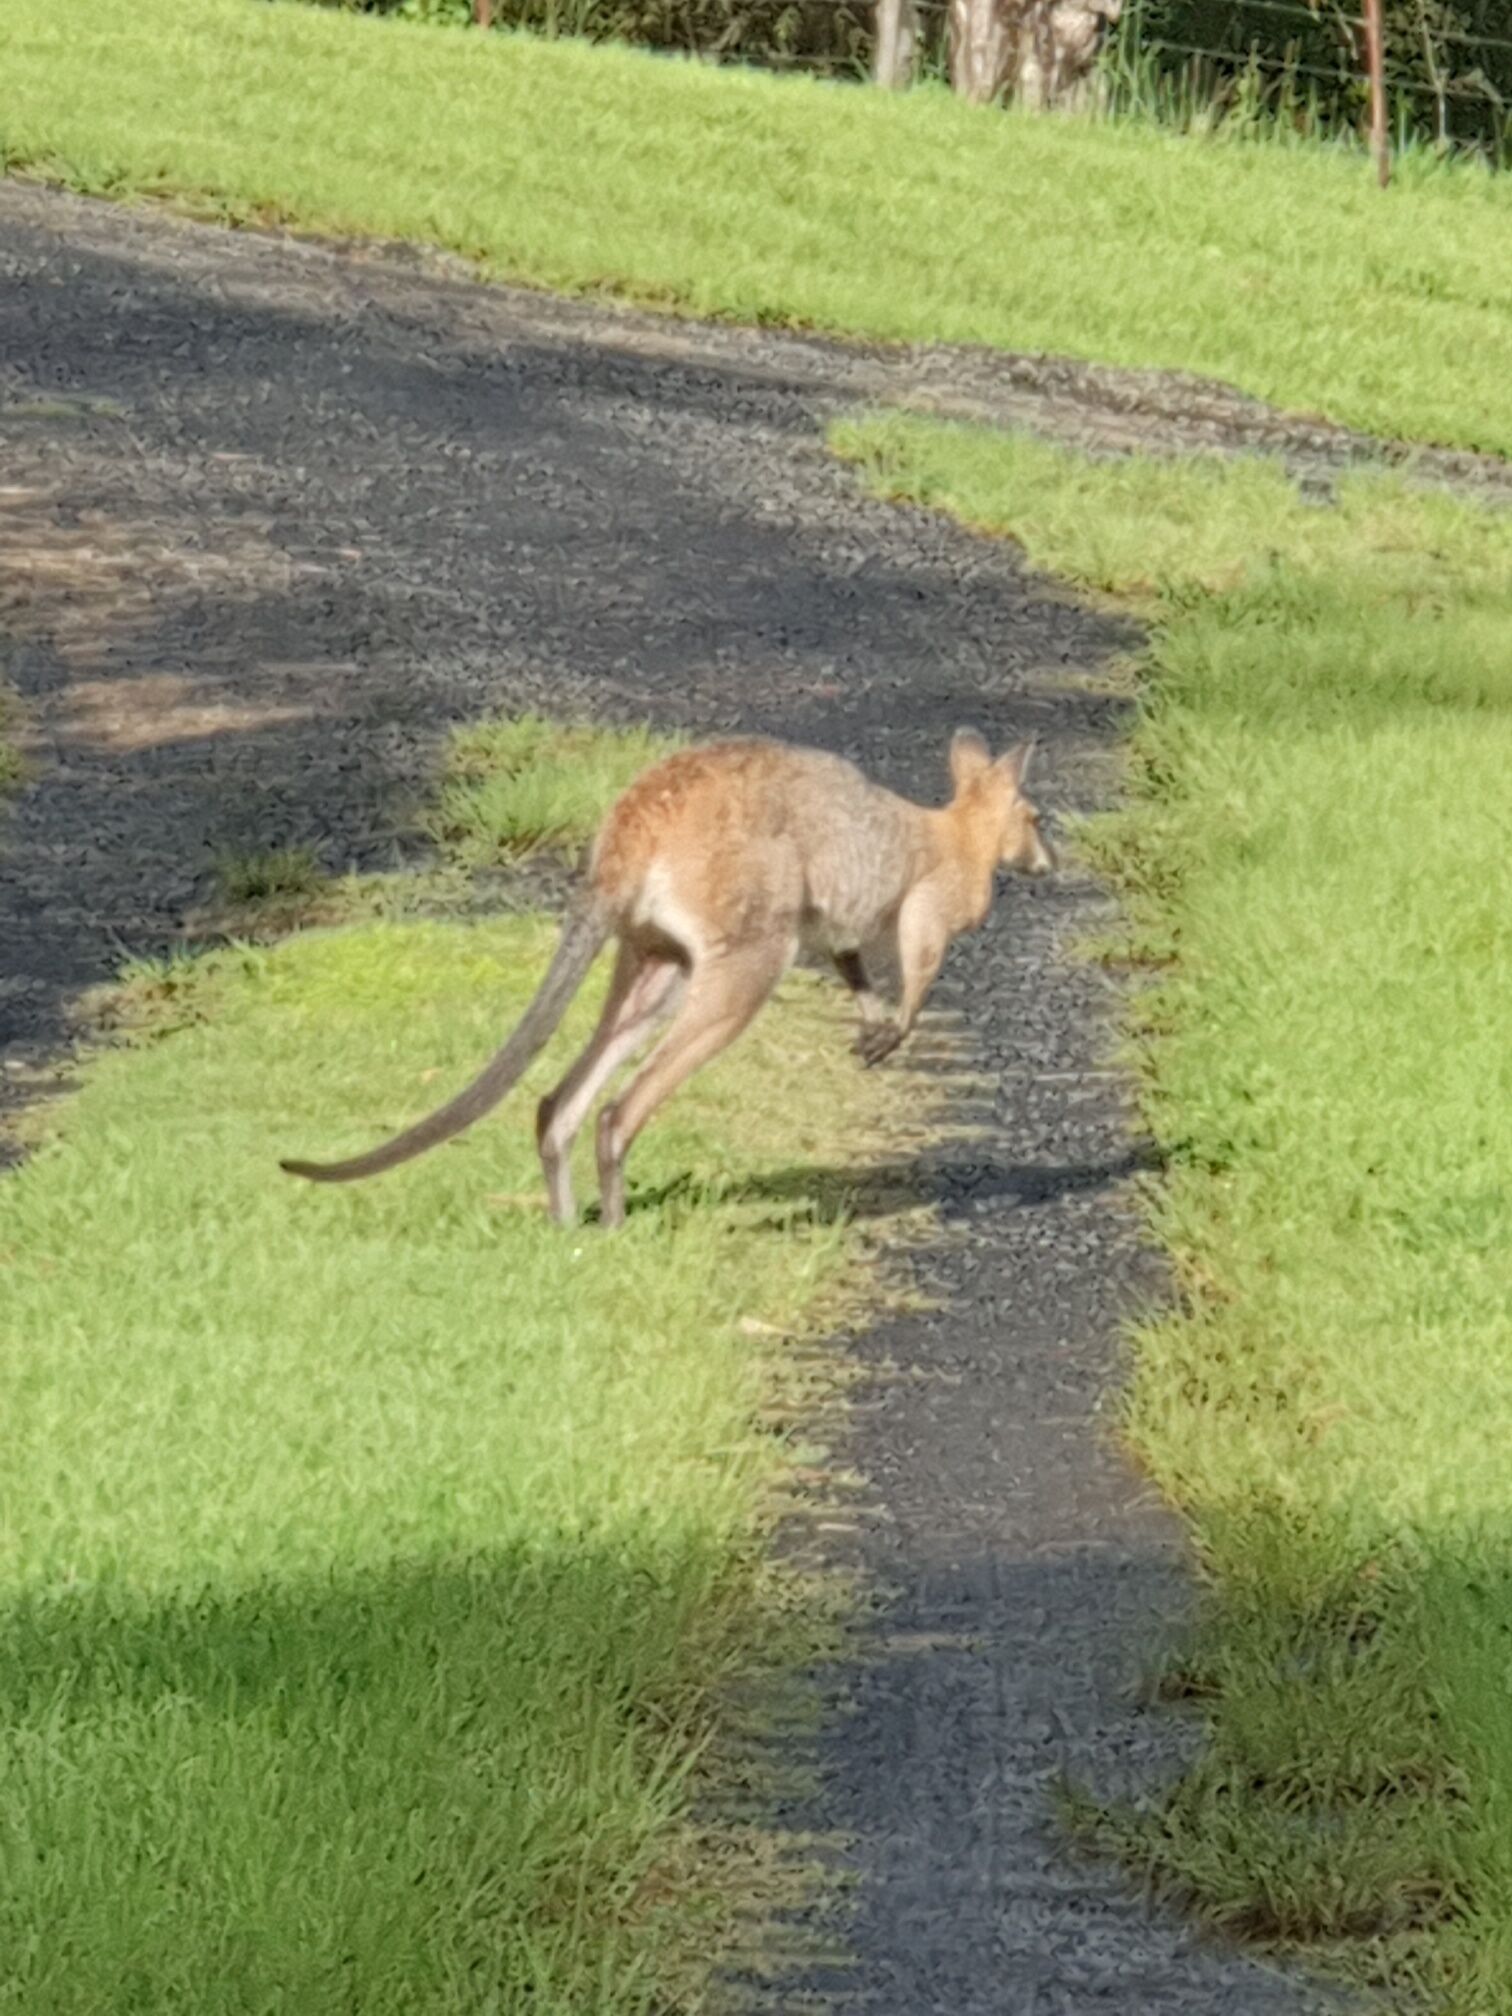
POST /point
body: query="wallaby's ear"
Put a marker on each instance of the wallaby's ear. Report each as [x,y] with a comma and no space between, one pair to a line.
[969,756]
[1014,763]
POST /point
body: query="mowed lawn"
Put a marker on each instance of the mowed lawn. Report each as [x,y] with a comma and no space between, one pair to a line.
[783,199]
[1315,863]
[375,1561]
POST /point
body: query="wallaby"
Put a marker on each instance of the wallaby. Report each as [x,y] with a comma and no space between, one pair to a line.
[712,871]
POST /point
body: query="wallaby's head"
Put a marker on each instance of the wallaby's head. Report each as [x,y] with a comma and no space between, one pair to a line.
[989,794]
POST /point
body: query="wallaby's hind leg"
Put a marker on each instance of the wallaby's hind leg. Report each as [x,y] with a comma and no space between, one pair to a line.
[724,993]
[639,994]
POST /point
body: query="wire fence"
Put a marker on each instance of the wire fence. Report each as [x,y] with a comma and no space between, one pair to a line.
[1443,81]
[1294,66]
[1285,67]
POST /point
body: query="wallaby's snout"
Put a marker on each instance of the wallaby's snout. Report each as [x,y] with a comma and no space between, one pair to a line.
[1026,849]
[1042,857]
[1036,856]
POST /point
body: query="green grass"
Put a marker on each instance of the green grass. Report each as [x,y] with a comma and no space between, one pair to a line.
[786,200]
[381,1568]
[1315,868]
[373,1560]
[517,785]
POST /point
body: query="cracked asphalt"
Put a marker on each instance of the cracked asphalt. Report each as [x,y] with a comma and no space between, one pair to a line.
[272,516]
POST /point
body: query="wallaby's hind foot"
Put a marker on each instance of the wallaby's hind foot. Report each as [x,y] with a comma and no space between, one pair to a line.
[611,1171]
[555,1166]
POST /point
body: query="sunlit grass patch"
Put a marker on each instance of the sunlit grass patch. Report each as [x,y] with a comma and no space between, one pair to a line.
[378,1562]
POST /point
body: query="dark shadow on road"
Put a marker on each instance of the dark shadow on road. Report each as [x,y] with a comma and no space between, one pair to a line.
[958,1183]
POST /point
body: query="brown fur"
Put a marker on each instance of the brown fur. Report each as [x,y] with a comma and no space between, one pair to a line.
[712,872]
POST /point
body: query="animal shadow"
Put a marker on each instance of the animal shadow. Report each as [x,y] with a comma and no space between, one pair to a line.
[957,1183]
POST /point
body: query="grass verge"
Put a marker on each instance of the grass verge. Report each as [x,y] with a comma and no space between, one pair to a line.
[378,1564]
[512,787]
[1315,874]
[515,786]
[773,199]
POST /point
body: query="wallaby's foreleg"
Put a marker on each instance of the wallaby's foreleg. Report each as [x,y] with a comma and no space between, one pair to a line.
[922,943]
[639,995]
[852,971]
[724,993]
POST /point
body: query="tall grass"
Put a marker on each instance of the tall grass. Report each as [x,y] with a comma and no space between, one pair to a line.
[1314,866]
[1259,72]
[771,199]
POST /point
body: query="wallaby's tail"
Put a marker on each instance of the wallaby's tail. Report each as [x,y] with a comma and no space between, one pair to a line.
[575,953]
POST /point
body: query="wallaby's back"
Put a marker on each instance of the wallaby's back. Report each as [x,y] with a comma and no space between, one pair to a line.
[747,822]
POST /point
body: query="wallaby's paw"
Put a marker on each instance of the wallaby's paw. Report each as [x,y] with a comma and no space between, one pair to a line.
[876,1041]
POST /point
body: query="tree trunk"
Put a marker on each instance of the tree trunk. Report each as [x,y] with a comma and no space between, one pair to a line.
[897,43]
[1057,50]
[982,34]
[1040,52]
